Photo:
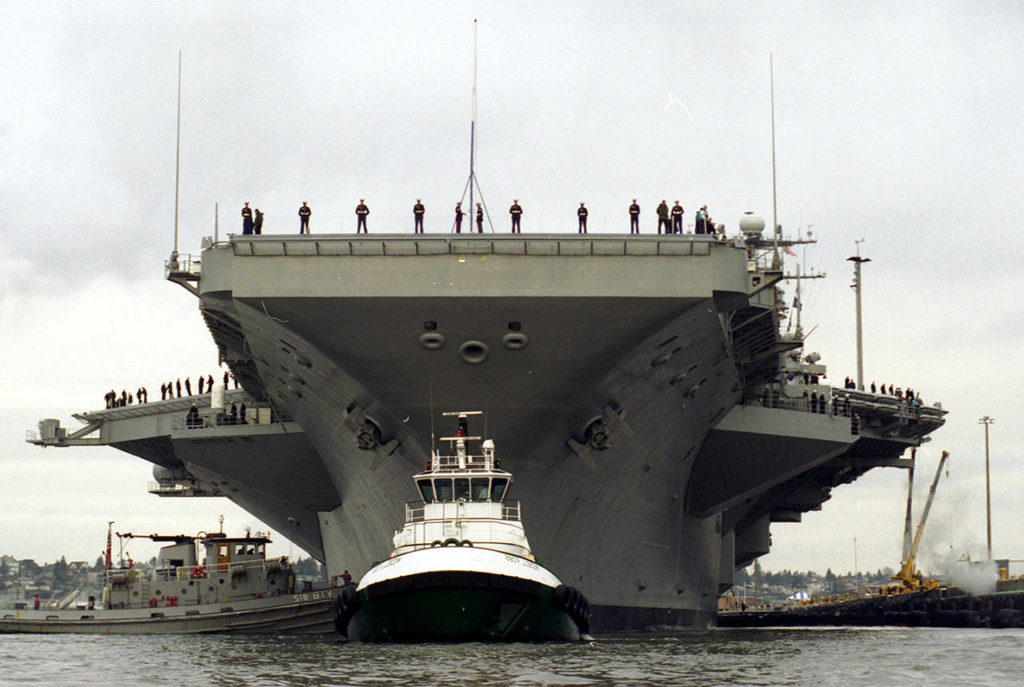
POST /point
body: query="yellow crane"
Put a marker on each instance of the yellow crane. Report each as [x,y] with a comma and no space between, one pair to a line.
[908,574]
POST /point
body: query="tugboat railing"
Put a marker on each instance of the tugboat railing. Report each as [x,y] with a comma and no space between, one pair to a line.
[415,511]
[185,572]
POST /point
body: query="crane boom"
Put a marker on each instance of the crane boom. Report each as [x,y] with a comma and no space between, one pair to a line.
[907,575]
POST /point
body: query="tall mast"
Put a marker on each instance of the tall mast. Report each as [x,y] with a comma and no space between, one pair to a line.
[775,224]
[472,126]
[177,160]
[856,286]
[472,183]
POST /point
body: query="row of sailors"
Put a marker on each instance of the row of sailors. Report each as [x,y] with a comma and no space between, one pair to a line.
[909,395]
[167,391]
[840,404]
[670,220]
[235,416]
[823,402]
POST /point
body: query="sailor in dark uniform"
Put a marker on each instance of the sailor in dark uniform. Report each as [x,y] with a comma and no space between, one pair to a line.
[417,211]
[257,223]
[663,217]
[517,212]
[479,219]
[677,218]
[634,218]
[361,212]
[458,218]
[582,215]
[304,213]
[246,220]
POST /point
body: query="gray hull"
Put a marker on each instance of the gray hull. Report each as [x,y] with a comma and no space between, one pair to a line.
[622,377]
[308,613]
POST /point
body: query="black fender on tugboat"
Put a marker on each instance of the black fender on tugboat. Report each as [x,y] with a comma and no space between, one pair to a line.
[451,541]
[346,603]
[572,601]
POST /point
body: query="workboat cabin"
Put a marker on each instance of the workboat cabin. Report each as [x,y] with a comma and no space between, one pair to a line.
[210,568]
[463,491]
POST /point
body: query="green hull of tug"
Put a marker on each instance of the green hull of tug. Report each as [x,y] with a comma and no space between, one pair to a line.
[460,614]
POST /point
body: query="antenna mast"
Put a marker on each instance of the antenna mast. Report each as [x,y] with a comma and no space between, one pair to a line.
[472,125]
[856,286]
[775,224]
[472,183]
[177,161]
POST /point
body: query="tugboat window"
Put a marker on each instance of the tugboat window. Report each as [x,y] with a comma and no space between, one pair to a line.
[481,488]
[443,487]
[426,490]
[461,488]
[498,488]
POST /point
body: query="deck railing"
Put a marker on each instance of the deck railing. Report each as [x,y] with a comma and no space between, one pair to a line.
[415,511]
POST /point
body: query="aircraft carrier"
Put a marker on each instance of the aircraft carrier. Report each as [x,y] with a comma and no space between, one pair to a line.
[656,419]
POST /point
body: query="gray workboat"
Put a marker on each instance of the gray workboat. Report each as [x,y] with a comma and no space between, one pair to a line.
[236,588]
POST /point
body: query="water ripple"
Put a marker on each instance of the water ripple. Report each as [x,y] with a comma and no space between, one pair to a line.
[861,656]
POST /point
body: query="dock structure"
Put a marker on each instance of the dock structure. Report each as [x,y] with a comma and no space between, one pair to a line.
[939,607]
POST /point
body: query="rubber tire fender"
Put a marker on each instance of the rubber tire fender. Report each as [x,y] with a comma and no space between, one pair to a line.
[345,606]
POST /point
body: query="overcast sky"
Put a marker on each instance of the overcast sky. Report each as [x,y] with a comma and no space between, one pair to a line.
[897,123]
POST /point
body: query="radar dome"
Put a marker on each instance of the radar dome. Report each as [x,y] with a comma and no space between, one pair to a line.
[751,225]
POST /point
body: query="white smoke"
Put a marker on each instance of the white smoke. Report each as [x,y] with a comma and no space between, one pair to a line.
[975,577]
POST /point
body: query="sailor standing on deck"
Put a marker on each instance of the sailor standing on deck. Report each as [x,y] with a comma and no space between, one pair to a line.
[246,220]
[634,218]
[517,212]
[304,213]
[257,223]
[677,218]
[361,212]
[458,218]
[582,213]
[663,217]
[417,211]
[479,219]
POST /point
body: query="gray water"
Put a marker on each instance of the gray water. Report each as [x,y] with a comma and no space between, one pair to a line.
[860,656]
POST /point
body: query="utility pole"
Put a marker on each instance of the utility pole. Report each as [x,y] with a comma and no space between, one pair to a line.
[988,486]
[857,261]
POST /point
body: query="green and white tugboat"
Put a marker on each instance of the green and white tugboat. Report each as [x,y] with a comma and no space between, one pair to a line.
[462,568]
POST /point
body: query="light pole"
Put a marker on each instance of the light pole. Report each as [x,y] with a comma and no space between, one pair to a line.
[988,486]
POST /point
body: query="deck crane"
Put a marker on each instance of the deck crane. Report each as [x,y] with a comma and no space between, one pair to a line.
[908,574]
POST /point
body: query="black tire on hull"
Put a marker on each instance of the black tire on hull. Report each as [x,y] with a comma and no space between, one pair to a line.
[572,601]
[345,606]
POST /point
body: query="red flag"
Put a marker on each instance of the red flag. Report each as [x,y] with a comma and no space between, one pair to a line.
[106,562]
[785,249]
